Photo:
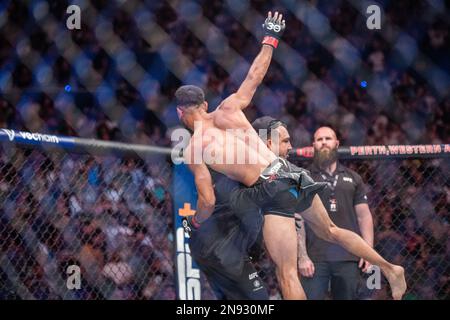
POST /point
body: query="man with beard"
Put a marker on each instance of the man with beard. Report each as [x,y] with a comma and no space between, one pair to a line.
[324,264]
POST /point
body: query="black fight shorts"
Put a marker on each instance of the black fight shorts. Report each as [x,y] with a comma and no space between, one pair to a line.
[282,189]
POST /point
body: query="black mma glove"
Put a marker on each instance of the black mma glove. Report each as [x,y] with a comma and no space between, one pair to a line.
[273,29]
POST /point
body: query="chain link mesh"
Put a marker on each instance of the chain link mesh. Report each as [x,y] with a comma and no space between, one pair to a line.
[113,218]
[410,205]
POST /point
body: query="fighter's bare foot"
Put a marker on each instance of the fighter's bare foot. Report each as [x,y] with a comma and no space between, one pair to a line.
[397,282]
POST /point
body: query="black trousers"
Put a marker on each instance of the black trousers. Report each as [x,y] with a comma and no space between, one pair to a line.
[220,248]
[342,277]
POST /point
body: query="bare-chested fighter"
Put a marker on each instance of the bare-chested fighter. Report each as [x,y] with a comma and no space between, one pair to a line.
[274,186]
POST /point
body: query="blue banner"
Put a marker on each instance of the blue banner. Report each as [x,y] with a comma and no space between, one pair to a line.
[185,202]
[32,138]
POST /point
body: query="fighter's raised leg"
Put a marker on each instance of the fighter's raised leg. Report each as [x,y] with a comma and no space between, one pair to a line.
[318,219]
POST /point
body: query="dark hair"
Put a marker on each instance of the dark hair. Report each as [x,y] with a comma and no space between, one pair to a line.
[189,96]
[267,123]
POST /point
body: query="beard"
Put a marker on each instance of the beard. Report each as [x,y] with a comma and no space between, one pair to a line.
[324,158]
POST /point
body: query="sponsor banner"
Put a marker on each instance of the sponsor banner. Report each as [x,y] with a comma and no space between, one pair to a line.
[400,150]
[31,138]
[185,202]
[382,151]
[305,152]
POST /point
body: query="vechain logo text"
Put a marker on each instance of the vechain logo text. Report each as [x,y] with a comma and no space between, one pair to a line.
[39,137]
[30,136]
[11,134]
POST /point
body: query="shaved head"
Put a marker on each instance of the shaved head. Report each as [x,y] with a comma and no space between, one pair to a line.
[325,131]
